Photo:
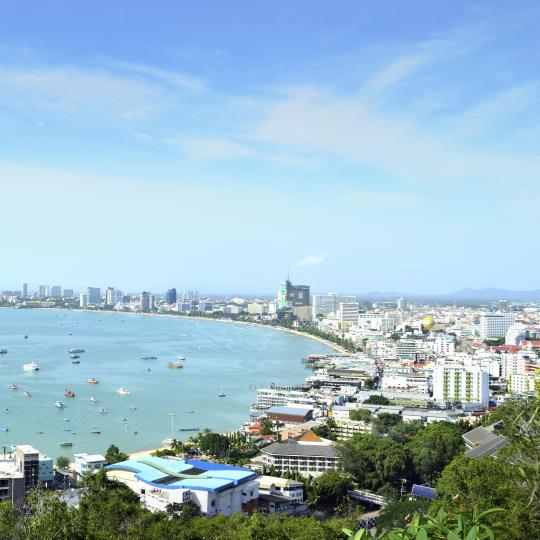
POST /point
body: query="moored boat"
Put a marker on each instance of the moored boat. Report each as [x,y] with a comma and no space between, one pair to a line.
[31,366]
[59,405]
[66,444]
[175,365]
[92,380]
[75,351]
[93,399]
[122,391]
[14,386]
[26,393]
[148,357]
[69,393]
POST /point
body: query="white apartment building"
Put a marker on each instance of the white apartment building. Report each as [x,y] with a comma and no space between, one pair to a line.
[256,308]
[88,463]
[93,295]
[113,296]
[513,364]
[348,312]
[282,397]
[326,304]
[83,300]
[526,384]
[456,382]
[515,333]
[406,383]
[494,325]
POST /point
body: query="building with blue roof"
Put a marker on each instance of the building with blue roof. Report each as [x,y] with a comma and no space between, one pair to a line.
[215,488]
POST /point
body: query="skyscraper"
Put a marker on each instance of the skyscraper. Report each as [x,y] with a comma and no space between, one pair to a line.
[113,296]
[290,295]
[170,297]
[93,296]
[56,291]
[68,293]
[43,291]
[324,304]
[25,290]
[145,301]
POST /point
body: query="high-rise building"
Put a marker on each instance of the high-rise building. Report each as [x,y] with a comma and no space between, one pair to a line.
[25,290]
[456,382]
[56,291]
[325,304]
[170,297]
[145,301]
[494,325]
[68,293]
[113,296]
[348,312]
[94,296]
[290,295]
[401,304]
[43,291]
[83,300]
[190,296]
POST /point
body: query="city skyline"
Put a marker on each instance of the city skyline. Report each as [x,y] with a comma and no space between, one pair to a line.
[371,148]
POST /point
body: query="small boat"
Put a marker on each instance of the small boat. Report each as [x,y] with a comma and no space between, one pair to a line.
[26,336]
[26,393]
[190,412]
[66,429]
[103,411]
[123,391]
[76,361]
[66,444]
[175,365]
[133,408]
[95,431]
[167,442]
[3,429]
[14,386]
[92,380]
[59,404]
[180,358]
[3,351]
[75,351]
[148,357]
[222,393]
[74,356]
[32,366]
[39,432]
[93,399]
[189,429]
[69,393]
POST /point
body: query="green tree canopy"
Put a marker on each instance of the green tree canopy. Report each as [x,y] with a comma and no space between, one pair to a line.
[362,415]
[113,455]
[377,399]
[330,489]
[62,462]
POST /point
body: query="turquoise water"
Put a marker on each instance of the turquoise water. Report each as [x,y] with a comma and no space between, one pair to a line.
[219,356]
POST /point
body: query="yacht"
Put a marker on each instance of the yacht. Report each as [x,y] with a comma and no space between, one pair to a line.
[93,399]
[92,380]
[32,366]
[26,393]
[175,365]
[75,351]
[148,357]
[59,404]
[123,391]
[14,386]
[69,393]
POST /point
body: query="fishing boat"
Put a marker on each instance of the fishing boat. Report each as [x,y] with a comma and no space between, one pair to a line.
[189,429]
[175,365]
[123,391]
[66,444]
[74,356]
[32,366]
[26,393]
[75,351]
[69,393]
[14,386]
[148,357]
[92,380]
[93,399]
[59,404]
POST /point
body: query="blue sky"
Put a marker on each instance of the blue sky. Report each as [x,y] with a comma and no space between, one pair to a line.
[367,145]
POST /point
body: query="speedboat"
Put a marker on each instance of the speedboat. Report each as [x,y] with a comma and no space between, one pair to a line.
[180,358]
[148,357]
[32,366]
[95,431]
[14,386]
[66,444]
[69,393]
[123,391]
[73,356]
[59,404]
[222,394]
[75,351]
[92,380]
[26,393]
[175,365]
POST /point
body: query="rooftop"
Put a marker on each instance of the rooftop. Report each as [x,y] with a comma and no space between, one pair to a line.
[294,448]
[297,411]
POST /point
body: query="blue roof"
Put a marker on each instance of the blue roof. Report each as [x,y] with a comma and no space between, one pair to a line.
[179,474]
[423,491]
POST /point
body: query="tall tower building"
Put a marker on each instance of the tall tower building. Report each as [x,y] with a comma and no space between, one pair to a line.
[170,297]
[25,290]
[94,296]
[56,291]
[145,301]
[43,291]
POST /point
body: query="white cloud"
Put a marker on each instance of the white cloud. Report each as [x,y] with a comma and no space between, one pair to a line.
[211,148]
[312,260]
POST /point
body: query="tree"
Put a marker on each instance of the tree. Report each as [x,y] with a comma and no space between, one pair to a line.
[330,489]
[326,430]
[62,462]
[369,384]
[373,461]
[433,448]
[267,426]
[384,422]
[377,399]
[360,415]
[396,514]
[405,432]
[214,444]
[113,455]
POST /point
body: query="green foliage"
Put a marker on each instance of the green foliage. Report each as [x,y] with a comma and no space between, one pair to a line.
[113,455]
[267,426]
[494,342]
[397,513]
[369,384]
[326,430]
[373,461]
[433,448]
[404,432]
[361,415]
[377,399]
[330,489]
[214,444]
[62,462]
[384,422]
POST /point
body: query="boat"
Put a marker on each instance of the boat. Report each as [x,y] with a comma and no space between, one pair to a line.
[39,432]
[66,429]
[32,366]
[73,356]
[190,412]
[189,429]
[75,351]
[123,391]
[26,336]
[69,393]
[103,411]
[180,358]
[95,431]
[59,404]
[75,361]
[175,365]
[26,393]
[222,393]
[92,380]
[167,442]
[148,357]
[133,408]
[3,429]
[14,386]
[93,399]
[66,444]
[3,351]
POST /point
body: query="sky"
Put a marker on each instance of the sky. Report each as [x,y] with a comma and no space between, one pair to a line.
[359,145]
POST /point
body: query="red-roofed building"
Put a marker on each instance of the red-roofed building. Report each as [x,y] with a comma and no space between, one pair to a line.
[504,348]
[528,345]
